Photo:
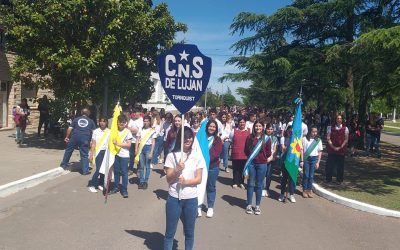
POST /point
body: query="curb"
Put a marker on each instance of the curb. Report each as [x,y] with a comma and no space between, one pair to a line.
[353,203]
[31,181]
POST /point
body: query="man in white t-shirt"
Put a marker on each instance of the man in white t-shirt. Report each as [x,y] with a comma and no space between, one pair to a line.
[135,125]
[213,117]
[251,121]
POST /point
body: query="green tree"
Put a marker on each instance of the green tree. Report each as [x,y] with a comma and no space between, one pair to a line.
[79,48]
[308,42]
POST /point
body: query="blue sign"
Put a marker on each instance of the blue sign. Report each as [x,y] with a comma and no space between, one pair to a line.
[184,73]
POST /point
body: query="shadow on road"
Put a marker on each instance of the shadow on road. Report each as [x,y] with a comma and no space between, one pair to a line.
[48,142]
[152,240]
[234,201]
[161,194]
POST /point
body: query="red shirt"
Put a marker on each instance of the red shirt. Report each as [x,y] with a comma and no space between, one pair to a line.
[264,153]
[215,152]
[239,143]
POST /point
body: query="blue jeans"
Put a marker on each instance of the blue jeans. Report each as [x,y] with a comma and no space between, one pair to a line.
[144,164]
[308,172]
[186,210]
[372,142]
[121,170]
[225,153]
[157,149]
[19,135]
[211,186]
[99,160]
[255,182]
[83,144]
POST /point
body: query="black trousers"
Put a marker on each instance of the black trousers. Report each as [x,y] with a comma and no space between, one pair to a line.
[43,120]
[131,156]
[238,166]
[334,162]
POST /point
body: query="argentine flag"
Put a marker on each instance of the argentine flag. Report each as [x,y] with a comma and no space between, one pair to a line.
[292,160]
[200,147]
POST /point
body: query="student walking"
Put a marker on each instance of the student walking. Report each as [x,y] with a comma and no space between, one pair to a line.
[258,150]
[238,137]
[310,158]
[285,141]
[184,173]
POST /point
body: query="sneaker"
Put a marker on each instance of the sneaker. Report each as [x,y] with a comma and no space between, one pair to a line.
[130,172]
[210,212]
[100,188]
[305,194]
[145,185]
[151,166]
[249,209]
[198,212]
[292,199]
[114,191]
[242,186]
[141,185]
[125,194]
[227,170]
[92,189]
[264,193]
[268,194]
[281,198]
[234,186]
[309,194]
[257,210]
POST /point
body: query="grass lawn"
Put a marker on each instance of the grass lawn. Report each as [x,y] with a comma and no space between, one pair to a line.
[369,179]
[392,124]
[392,130]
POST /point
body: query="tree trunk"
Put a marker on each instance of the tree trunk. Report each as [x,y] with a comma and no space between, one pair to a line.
[349,93]
[362,108]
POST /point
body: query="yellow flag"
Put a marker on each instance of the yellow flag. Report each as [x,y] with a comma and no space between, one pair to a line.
[114,131]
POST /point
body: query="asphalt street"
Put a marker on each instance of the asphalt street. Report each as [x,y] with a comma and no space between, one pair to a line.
[62,214]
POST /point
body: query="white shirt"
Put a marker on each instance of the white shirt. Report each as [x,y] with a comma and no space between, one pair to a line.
[304,128]
[124,152]
[336,128]
[135,123]
[219,126]
[142,132]
[249,125]
[192,163]
[96,136]
[306,144]
[157,128]
[226,131]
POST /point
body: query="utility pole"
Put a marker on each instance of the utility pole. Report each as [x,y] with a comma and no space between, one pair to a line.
[205,101]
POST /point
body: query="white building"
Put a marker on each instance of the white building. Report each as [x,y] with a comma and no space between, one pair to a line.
[158,99]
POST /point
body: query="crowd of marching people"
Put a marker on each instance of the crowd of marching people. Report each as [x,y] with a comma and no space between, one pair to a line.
[255,141]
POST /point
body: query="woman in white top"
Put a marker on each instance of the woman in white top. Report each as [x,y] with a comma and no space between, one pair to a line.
[225,132]
[98,148]
[309,159]
[146,140]
[184,173]
[157,126]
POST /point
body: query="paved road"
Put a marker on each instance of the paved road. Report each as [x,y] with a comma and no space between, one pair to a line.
[391,138]
[62,214]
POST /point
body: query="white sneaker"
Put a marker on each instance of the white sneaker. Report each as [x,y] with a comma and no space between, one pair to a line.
[249,209]
[227,170]
[100,188]
[242,186]
[281,198]
[151,166]
[257,210]
[198,212]
[92,190]
[292,199]
[210,213]
[234,186]
[264,193]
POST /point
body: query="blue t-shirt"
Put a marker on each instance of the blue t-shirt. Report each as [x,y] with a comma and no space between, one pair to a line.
[82,127]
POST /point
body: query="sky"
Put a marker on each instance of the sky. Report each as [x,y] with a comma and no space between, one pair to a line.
[208,24]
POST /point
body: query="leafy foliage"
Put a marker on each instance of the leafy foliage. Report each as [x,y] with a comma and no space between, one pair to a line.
[75,46]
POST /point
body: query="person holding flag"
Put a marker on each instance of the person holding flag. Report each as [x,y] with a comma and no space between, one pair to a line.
[98,148]
[293,150]
[258,150]
[122,142]
[184,173]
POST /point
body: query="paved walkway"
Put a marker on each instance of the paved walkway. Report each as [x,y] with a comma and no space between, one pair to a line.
[390,138]
[39,155]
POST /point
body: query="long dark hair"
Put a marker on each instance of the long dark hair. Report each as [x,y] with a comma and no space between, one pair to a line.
[308,136]
[173,131]
[250,138]
[215,134]
[187,133]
